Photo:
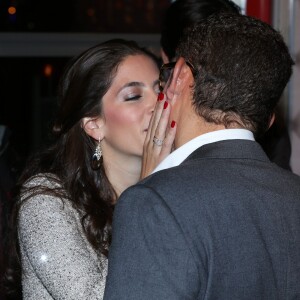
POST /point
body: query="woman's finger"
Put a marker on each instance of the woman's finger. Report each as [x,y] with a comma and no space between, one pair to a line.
[161,128]
[169,141]
[160,146]
[157,111]
[156,116]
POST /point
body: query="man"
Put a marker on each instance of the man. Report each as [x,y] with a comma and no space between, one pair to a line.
[217,220]
[183,13]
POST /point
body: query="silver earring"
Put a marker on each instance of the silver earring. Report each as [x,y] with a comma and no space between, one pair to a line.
[96,158]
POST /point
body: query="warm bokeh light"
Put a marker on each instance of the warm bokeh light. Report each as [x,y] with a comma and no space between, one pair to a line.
[12,10]
[48,70]
[90,12]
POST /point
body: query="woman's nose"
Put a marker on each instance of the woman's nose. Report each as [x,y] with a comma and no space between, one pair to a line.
[152,101]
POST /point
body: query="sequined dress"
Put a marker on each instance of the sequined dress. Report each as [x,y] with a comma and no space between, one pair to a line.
[57,260]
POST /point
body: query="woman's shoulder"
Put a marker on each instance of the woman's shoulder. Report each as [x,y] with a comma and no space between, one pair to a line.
[46,180]
[42,191]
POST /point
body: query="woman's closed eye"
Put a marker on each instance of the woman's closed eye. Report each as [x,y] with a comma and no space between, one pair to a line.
[133,97]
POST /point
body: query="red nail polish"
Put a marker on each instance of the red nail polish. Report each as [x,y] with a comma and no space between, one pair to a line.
[173,124]
[166,104]
[161,96]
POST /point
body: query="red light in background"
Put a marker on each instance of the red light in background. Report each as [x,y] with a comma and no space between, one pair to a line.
[12,10]
[48,70]
[261,9]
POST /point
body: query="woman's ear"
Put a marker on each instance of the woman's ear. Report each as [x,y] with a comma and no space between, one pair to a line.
[93,127]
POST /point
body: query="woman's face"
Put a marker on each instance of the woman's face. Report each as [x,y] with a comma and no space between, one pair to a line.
[128,105]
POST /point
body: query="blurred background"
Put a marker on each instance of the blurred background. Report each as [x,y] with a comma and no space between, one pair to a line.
[37,38]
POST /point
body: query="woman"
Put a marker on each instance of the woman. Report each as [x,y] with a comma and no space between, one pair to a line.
[107,98]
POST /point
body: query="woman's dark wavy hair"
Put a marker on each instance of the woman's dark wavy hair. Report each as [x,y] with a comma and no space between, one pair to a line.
[67,161]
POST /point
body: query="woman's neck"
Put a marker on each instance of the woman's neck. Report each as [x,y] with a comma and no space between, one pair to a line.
[122,172]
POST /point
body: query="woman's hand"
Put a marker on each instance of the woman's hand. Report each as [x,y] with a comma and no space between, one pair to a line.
[160,137]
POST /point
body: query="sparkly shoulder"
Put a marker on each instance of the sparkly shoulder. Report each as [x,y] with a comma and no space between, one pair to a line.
[57,260]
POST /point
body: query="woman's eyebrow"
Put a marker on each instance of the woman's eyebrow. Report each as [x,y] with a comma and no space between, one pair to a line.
[132,83]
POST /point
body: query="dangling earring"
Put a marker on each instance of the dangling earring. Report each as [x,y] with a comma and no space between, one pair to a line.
[96,158]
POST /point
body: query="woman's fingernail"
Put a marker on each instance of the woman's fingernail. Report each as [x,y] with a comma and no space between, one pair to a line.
[166,104]
[161,96]
[173,124]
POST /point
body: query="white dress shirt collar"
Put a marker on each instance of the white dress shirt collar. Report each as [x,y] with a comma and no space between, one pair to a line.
[180,154]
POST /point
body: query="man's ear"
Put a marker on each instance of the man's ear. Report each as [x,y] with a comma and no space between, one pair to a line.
[272,120]
[180,78]
[93,127]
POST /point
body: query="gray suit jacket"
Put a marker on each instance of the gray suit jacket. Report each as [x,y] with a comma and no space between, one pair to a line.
[224,225]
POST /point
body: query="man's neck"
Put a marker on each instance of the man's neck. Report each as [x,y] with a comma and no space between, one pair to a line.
[193,127]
